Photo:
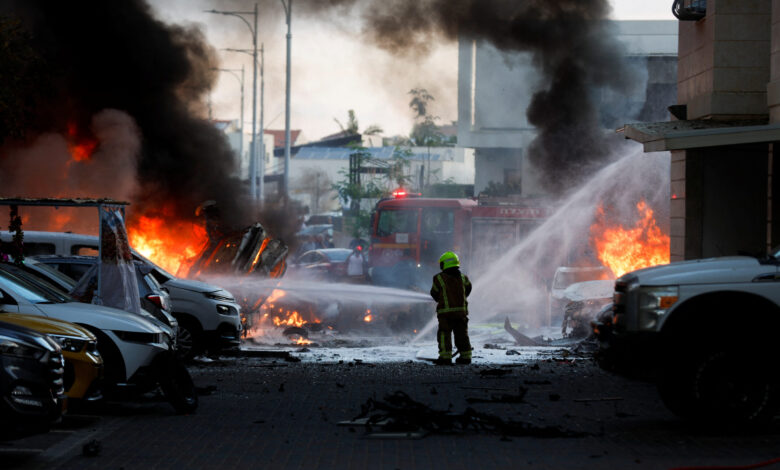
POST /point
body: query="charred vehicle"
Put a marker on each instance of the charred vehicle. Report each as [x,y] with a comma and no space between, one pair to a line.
[705,331]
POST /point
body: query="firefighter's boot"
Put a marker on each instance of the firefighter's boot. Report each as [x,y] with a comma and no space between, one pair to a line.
[443,361]
[464,358]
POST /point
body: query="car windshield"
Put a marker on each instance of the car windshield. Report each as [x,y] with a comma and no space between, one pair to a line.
[65,281]
[337,254]
[12,279]
[396,221]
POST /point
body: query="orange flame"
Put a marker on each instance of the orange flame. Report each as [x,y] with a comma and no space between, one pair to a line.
[623,250]
[368,318]
[292,320]
[170,243]
[301,340]
[81,149]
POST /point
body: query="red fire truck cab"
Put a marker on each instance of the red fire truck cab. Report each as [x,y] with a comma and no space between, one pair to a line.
[409,234]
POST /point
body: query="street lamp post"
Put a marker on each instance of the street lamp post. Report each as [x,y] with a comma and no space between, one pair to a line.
[241,124]
[253,147]
[288,12]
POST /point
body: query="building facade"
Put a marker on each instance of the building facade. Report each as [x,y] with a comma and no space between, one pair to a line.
[495,89]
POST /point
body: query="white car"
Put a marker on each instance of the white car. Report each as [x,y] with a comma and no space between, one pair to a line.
[136,351]
[208,316]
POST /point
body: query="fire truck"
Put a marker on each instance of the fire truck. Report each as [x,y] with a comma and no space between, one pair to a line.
[409,233]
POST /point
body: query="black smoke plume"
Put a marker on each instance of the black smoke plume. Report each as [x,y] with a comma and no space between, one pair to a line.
[571,45]
[97,55]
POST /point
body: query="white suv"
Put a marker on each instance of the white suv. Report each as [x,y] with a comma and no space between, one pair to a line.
[706,331]
[209,317]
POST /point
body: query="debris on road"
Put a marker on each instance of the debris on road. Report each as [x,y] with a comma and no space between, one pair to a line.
[502,397]
[399,416]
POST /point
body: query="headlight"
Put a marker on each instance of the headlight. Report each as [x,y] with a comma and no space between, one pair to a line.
[12,347]
[143,338]
[226,310]
[69,343]
[654,302]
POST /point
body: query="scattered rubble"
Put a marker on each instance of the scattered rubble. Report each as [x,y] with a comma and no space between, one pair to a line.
[399,416]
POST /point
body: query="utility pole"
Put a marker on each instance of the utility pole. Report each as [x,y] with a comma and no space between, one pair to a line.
[288,12]
[261,182]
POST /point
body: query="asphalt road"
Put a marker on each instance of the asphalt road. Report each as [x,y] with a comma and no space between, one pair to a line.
[554,413]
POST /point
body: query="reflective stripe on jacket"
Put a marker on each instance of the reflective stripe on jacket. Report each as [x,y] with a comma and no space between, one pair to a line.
[450,289]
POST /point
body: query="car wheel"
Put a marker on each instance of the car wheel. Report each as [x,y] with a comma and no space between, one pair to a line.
[188,340]
[721,387]
[177,386]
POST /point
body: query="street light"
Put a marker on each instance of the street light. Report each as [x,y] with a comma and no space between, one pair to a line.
[261,169]
[288,12]
[253,150]
[241,82]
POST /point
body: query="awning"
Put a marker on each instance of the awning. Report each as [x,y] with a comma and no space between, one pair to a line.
[680,135]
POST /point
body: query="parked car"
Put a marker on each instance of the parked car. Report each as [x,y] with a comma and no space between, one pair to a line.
[206,313]
[31,382]
[326,264]
[83,364]
[137,351]
[706,332]
[153,298]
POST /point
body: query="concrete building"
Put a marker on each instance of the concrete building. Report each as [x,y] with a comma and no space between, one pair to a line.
[722,139]
[495,88]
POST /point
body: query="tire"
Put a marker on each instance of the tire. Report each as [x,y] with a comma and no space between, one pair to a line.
[177,386]
[189,340]
[722,387]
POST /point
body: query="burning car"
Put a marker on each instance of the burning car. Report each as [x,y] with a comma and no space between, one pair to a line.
[584,300]
[566,276]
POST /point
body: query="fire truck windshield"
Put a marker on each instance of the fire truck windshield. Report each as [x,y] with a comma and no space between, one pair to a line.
[396,221]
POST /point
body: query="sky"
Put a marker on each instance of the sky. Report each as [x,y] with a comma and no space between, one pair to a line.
[333,68]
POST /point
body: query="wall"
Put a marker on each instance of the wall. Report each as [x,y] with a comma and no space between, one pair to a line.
[723,66]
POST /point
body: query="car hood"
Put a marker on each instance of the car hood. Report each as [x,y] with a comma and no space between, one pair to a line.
[194,286]
[589,290]
[46,325]
[104,318]
[725,270]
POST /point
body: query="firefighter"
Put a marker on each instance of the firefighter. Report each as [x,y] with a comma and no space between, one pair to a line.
[450,289]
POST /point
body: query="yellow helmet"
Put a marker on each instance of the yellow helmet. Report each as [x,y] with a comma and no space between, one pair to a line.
[449,260]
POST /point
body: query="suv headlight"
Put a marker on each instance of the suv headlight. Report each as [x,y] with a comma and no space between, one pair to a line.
[69,343]
[654,302]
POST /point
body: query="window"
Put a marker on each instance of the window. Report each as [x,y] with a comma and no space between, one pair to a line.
[403,221]
[84,250]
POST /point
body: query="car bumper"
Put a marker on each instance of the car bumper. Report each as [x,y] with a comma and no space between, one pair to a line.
[83,374]
[634,354]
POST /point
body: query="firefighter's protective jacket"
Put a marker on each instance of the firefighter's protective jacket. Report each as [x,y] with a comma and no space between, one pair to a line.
[450,289]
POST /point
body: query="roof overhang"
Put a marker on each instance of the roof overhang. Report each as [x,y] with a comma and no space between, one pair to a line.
[681,135]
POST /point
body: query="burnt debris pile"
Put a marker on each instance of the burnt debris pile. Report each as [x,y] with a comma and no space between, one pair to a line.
[399,414]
